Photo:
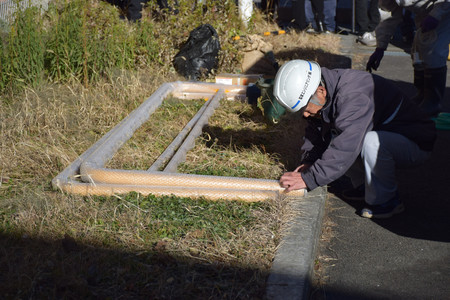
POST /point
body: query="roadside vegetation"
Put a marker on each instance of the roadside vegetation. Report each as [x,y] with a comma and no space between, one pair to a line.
[71,73]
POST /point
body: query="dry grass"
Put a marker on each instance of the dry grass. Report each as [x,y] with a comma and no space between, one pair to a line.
[233,145]
[239,142]
[151,139]
[63,246]
[54,232]
[325,49]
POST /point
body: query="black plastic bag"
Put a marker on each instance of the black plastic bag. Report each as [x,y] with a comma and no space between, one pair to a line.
[199,56]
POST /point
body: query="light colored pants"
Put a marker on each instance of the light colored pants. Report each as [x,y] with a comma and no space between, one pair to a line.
[381,154]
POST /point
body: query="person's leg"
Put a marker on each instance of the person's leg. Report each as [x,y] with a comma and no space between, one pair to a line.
[382,153]
[318,8]
[356,173]
[407,27]
[330,14]
[134,10]
[298,12]
[366,36]
[362,20]
[433,51]
[419,82]
[418,66]
[434,90]
[309,14]
[373,15]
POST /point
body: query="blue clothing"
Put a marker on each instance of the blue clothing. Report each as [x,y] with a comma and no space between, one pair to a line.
[329,13]
[430,49]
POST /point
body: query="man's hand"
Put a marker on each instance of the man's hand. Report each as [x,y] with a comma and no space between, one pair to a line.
[293,180]
[375,59]
[429,23]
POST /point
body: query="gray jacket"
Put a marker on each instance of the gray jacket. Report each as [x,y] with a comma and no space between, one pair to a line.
[357,102]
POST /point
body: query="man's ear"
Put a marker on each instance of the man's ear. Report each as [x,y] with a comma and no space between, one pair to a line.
[322,90]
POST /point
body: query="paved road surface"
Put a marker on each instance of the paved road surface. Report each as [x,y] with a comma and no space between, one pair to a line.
[408,256]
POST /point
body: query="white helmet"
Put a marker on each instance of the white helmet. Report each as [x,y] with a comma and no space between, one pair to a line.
[296,81]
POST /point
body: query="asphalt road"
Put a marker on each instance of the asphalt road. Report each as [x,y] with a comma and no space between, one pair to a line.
[407,256]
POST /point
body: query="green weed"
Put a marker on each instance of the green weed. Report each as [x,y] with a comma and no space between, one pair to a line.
[85,40]
[173,217]
[22,54]
[65,53]
[57,245]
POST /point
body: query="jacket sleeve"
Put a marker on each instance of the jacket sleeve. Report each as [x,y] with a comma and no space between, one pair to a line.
[386,28]
[314,144]
[353,120]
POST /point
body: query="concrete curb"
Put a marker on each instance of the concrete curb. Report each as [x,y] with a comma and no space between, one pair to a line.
[291,272]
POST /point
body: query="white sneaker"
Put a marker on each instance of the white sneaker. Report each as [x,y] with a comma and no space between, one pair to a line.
[368,39]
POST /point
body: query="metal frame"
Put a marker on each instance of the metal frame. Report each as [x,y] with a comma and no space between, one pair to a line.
[87,174]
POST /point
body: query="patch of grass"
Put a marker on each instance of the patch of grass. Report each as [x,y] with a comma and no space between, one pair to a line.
[55,245]
[85,40]
[135,246]
[174,217]
[22,54]
[152,138]
[239,142]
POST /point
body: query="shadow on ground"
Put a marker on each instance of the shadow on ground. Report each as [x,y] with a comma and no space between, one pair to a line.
[65,269]
[425,190]
[323,58]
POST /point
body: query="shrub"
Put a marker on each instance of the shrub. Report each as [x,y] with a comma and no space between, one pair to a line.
[23,51]
[84,40]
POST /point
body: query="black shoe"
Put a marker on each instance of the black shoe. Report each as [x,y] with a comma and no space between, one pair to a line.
[356,194]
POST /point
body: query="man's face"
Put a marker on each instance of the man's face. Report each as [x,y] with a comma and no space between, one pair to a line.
[312,110]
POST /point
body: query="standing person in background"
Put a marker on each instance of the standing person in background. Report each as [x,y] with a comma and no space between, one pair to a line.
[367,17]
[318,8]
[133,8]
[429,51]
[407,27]
[267,6]
[329,15]
[298,13]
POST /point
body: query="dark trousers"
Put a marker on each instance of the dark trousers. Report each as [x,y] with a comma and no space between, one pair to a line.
[133,8]
[329,12]
[317,8]
[267,5]
[298,13]
[367,15]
